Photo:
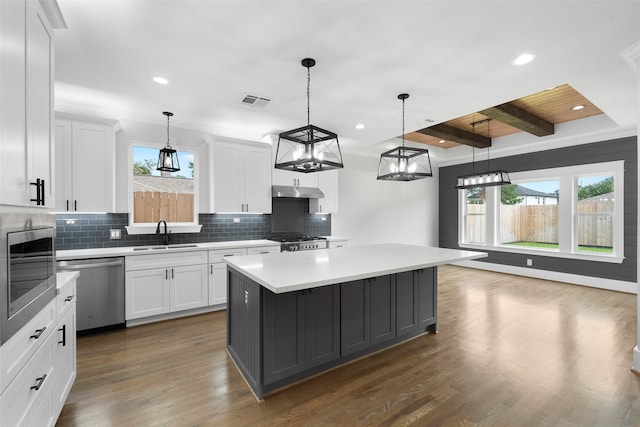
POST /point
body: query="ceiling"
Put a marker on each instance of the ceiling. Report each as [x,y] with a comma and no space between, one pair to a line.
[454,58]
[536,114]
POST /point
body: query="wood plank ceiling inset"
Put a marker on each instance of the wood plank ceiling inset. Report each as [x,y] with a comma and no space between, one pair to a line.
[553,105]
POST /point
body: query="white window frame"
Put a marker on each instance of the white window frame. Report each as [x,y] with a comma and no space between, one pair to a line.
[173,227]
[567,226]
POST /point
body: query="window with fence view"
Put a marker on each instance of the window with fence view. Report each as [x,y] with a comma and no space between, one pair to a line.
[529,214]
[585,218]
[162,195]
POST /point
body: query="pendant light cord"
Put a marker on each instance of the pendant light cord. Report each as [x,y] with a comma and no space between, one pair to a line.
[489,147]
[308,95]
[168,146]
[473,148]
[403,123]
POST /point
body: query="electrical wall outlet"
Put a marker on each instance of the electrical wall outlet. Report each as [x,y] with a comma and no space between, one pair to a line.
[115,233]
[529,262]
[236,219]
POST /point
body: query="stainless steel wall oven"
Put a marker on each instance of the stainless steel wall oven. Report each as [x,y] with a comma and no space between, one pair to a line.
[28,279]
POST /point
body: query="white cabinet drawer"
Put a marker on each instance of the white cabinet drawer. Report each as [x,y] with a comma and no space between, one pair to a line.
[263,250]
[66,298]
[30,389]
[17,351]
[217,255]
[141,262]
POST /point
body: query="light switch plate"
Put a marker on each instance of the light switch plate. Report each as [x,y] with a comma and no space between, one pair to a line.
[115,233]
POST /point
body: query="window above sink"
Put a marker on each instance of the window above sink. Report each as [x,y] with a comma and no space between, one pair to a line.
[155,195]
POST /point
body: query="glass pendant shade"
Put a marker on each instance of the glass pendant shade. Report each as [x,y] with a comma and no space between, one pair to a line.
[168,157]
[168,160]
[404,164]
[486,179]
[308,149]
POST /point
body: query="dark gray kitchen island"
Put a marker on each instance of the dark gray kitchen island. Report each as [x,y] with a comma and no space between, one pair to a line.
[293,315]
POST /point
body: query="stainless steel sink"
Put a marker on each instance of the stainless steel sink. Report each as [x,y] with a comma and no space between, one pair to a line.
[146,248]
[154,248]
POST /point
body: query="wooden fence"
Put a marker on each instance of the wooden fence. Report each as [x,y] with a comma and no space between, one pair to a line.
[539,223]
[151,206]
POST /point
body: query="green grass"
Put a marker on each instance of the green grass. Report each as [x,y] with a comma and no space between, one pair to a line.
[555,246]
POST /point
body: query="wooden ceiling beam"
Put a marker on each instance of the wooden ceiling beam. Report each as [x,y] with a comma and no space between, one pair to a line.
[450,133]
[520,119]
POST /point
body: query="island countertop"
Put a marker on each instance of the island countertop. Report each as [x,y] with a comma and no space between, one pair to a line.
[294,271]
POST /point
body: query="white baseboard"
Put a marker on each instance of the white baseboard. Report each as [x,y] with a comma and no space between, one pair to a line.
[174,315]
[576,279]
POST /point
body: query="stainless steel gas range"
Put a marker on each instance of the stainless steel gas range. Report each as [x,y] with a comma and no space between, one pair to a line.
[302,243]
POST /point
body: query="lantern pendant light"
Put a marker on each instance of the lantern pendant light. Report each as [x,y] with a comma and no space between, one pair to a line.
[404,163]
[309,148]
[486,179]
[168,157]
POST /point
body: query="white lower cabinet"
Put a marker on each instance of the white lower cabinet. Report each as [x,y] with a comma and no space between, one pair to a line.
[189,287]
[218,273]
[182,283]
[36,393]
[147,293]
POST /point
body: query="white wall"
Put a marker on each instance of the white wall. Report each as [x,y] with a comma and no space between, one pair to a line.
[372,211]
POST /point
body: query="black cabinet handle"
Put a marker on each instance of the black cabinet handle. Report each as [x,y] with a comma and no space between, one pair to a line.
[166,274]
[39,382]
[172,273]
[38,333]
[39,190]
[211,269]
[64,335]
[75,205]
[69,298]
[67,205]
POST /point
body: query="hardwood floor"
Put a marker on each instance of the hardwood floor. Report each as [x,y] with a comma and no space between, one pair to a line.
[511,351]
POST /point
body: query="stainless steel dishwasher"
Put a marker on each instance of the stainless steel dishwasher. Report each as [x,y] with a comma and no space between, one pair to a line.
[100,293]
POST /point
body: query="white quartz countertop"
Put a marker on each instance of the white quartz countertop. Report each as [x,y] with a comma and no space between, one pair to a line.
[131,250]
[294,271]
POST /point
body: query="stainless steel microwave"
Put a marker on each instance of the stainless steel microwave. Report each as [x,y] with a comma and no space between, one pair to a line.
[28,283]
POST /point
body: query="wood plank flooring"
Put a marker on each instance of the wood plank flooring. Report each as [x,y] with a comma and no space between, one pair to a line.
[511,351]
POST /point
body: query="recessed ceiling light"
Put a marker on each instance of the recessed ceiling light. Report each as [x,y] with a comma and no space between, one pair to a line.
[525,58]
[577,107]
[161,80]
[442,141]
[359,126]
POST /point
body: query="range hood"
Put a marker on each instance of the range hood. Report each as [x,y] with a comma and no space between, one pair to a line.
[298,192]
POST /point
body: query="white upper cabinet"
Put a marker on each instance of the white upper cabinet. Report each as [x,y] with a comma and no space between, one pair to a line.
[328,184]
[26,106]
[84,166]
[242,177]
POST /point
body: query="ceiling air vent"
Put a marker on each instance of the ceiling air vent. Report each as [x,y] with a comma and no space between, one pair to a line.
[254,101]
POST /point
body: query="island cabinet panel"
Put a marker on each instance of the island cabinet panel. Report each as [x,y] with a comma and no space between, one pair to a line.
[284,334]
[355,316]
[383,309]
[243,327]
[368,313]
[301,331]
[427,295]
[322,309]
[407,303]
